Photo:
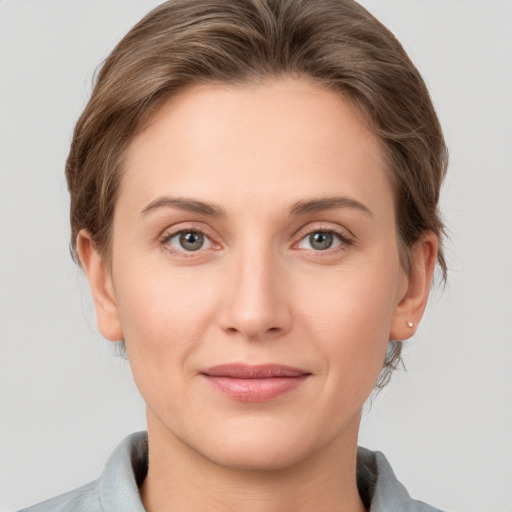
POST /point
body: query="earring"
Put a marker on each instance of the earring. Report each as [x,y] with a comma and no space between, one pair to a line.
[409,324]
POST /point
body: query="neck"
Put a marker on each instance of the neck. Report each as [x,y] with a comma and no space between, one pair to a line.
[180,479]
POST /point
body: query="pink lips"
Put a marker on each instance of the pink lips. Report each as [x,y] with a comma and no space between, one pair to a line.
[259,383]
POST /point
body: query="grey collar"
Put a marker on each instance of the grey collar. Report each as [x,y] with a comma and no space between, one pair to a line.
[127,468]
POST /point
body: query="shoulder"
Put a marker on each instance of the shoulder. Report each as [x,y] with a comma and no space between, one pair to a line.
[117,487]
[380,489]
[83,499]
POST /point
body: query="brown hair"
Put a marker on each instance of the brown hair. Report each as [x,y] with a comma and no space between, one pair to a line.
[335,43]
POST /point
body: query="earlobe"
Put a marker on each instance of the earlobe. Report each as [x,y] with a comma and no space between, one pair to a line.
[411,306]
[100,283]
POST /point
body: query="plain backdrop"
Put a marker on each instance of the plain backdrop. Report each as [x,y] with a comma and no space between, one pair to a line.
[67,400]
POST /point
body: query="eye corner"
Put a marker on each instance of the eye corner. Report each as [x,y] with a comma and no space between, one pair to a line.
[329,240]
[199,242]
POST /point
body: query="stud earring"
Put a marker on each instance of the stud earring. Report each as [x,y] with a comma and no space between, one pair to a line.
[409,324]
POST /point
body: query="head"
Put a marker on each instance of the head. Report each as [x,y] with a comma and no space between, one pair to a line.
[334,43]
[234,53]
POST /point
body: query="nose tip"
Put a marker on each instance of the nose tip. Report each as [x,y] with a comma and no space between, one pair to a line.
[254,327]
[258,306]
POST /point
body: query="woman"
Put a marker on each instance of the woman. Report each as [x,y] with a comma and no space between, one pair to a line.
[254,200]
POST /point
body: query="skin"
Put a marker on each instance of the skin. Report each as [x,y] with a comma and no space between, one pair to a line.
[257,292]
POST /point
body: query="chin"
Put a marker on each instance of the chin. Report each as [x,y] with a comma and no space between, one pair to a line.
[257,456]
[263,445]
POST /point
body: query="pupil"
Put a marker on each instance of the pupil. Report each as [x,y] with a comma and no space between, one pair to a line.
[320,241]
[191,241]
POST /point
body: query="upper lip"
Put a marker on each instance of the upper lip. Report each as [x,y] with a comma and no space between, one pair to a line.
[260,371]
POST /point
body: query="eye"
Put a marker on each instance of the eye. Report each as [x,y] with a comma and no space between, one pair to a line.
[188,241]
[321,240]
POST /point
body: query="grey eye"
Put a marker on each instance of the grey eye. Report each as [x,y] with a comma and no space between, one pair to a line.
[189,241]
[321,240]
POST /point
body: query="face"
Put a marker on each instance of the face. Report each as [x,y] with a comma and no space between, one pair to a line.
[255,276]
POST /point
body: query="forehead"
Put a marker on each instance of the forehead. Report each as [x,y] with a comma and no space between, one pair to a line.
[279,140]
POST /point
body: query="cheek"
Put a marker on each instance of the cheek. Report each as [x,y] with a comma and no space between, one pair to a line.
[353,299]
[350,317]
[164,318]
[163,315]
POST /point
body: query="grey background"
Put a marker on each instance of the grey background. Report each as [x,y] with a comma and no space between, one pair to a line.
[66,400]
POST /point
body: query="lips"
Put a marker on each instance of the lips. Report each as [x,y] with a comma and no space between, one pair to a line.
[258,383]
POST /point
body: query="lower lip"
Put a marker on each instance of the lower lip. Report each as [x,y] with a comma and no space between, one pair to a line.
[255,390]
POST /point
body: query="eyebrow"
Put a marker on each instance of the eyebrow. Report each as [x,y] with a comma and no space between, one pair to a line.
[191,205]
[327,203]
[299,208]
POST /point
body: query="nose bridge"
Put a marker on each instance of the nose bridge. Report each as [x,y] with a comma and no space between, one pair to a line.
[258,305]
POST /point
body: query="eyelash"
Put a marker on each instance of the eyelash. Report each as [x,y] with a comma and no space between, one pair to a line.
[344,239]
[164,242]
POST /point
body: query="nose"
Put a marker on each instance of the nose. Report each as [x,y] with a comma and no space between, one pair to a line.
[257,302]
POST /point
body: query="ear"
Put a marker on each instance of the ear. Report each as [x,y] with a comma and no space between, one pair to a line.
[102,290]
[409,311]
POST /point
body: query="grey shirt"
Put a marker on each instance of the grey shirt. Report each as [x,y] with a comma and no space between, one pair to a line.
[117,489]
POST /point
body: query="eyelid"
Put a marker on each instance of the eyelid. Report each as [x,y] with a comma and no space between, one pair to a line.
[346,237]
[184,227]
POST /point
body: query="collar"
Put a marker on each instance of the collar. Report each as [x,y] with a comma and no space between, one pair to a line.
[127,467]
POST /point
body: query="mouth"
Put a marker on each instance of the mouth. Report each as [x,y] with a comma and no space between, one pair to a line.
[247,383]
